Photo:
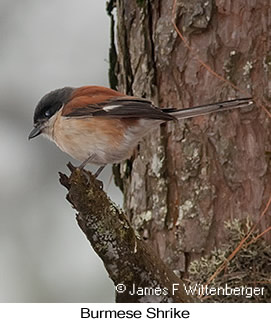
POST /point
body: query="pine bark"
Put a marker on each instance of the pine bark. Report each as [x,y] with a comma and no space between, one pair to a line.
[183,181]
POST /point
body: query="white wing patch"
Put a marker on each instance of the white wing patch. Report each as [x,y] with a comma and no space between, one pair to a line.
[111,107]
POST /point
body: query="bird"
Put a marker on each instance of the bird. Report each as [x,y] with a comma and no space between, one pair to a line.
[99,125]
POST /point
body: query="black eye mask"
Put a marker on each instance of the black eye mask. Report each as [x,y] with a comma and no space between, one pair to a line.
[47,112]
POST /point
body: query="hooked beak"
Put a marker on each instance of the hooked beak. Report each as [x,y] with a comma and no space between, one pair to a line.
[35,132]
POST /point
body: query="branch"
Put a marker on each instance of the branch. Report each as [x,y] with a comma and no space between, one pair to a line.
[127,259]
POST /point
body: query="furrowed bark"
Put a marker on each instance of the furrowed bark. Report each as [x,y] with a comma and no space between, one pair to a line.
[185,180]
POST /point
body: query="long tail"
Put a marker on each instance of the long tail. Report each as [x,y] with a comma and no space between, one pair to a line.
[209,108]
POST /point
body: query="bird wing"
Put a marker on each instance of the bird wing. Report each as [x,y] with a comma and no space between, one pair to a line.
[95,101]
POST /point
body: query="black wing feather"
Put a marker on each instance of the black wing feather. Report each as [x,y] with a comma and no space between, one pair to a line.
[122,108]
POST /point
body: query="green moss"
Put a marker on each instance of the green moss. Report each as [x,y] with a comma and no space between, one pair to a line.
[251,266]
[141,3]
[113,55]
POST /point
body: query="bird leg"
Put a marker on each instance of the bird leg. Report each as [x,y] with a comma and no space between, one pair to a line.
[89,159]
[99,170]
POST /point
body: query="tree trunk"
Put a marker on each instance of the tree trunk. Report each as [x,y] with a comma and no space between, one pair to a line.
[185,180]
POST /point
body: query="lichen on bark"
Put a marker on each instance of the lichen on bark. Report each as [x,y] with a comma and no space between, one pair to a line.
[128,260]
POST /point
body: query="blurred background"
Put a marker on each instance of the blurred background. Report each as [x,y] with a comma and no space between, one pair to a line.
[44,256]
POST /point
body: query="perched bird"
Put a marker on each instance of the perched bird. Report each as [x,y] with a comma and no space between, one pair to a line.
[98,125]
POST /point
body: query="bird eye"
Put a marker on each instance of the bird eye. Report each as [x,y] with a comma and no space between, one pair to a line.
[47,113]
[50,109]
